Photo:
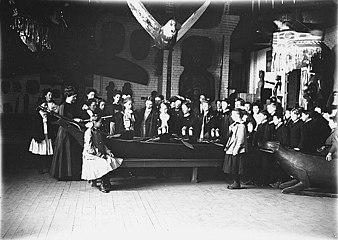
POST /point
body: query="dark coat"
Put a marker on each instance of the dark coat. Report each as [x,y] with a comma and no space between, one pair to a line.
[295,134]
[322,129]
[222,122]
[189,121]
[150,123]
[209,123]
[281,134]
[263,133]
[308,136]
[113,109]
[119,124]
[175,115]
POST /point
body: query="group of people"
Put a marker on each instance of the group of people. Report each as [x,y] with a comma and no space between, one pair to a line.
[240,126]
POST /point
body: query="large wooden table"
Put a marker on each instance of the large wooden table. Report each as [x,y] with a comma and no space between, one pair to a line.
[138,153]
[141,154]
[169,162]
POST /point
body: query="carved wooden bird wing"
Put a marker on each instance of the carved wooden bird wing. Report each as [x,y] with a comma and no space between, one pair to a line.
[165,36]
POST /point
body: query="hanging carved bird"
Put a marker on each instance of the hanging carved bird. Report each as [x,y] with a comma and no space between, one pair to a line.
[167,35]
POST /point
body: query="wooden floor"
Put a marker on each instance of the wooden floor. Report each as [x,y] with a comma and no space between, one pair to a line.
[39,207]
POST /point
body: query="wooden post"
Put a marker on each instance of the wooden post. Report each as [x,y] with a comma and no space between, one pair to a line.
[169,67]
[221,69]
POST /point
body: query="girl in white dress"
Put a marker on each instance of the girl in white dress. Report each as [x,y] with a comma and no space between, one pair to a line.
[98,160]
[44,131]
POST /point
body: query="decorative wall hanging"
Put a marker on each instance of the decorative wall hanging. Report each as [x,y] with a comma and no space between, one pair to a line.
[32,86]
[16,86]
[56,93]
[112,37]
[139,44]
[5,86]
[294,50]
[109,34]
[196,57]
[35,34]
[7,108]
[105,62]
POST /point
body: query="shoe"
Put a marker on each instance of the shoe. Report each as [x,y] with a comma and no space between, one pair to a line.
[250,182]
[234,186]
[275,185]
[93,183]
[103,189]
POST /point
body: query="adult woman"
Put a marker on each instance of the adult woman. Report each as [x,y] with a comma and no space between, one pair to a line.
[66,164]
[44,131]
[235,149]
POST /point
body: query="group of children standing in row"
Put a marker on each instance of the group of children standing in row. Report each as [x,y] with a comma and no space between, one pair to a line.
[240,126]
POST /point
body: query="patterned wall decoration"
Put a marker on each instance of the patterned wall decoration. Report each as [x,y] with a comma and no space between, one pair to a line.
[140,44]
[16,86]
[112,37]
[32,86]
[56,93]
[5,86]
[197,53]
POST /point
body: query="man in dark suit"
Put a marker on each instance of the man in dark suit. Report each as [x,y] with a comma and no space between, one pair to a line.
[145,124]
[206,122]
[223,120]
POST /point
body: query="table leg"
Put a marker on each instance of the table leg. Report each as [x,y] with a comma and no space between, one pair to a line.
[194,175]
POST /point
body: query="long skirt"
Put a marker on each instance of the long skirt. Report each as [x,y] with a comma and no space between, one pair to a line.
[67,158]
[234,164]
[94,167]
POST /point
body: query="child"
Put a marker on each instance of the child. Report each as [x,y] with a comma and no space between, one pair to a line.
[41,143]
[186,125]
[125,120]
[98,160]
[262,160]
[236,148]
[281,135]
[295,128]
[163,119]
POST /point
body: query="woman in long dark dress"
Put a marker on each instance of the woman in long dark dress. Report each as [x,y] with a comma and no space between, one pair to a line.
[67,158]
